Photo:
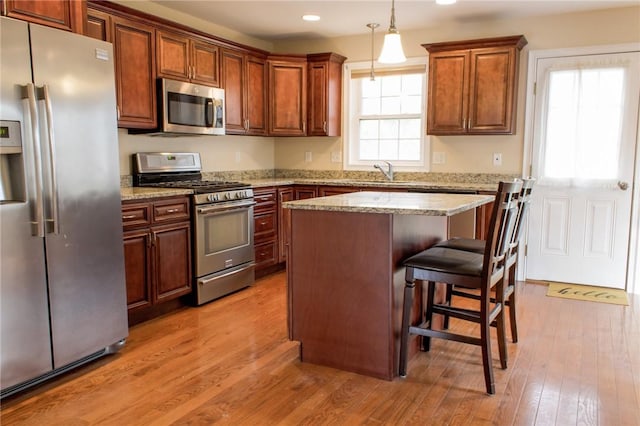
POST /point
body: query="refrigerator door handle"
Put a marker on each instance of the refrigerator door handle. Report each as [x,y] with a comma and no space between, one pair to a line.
[29,93]
[43,94]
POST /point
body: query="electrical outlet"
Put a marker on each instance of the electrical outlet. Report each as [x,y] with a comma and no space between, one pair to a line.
[308,157]
[336,157]
[439,157]
[497,159]
[238,156]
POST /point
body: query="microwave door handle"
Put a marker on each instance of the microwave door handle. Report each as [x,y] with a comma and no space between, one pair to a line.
[208,113]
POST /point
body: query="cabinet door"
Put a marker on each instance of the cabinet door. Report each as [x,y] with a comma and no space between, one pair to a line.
[98,25]
[233,82]
[137,264]
[288,101]
[172,55]
[491,90]
[304,192]
[204,63]
[325,191]
[448,93]
[134,46]
[256,96]
[483,219]
[317,97]
[172,260]
[284,222]
[69,15]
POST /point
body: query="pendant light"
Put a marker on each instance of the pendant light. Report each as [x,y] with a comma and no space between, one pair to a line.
[373,26]
[392,48]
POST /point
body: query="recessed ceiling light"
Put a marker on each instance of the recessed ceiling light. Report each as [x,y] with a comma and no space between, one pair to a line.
[311,18]
[445,1]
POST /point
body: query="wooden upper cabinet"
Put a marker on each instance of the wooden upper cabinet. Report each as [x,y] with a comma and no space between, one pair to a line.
[98,25]
[324,94]
[256,84]
[68,15]
[244,82]
[473,86]
[288,96]
[134,50]
[186,58]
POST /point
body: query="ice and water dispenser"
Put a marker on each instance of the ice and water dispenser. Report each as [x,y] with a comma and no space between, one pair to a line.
[11,163]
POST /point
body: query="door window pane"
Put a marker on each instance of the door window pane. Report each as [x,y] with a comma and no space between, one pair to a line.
[583,123]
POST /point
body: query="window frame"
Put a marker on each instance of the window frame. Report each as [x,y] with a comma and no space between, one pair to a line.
[350,133]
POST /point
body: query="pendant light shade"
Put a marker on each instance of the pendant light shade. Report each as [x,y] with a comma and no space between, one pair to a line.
[392,52]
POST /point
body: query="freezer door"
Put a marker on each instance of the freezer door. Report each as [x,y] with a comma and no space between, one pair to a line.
[25,345]
[84,246]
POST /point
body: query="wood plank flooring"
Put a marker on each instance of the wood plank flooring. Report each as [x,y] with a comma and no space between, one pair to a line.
[230,362]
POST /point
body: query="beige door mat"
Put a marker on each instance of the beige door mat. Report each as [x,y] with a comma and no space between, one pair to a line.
[589,293]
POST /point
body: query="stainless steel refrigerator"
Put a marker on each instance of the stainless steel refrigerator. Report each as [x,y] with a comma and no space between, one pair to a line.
[62,282]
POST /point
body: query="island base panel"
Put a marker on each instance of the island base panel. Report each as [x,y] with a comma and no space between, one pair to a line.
[346,284]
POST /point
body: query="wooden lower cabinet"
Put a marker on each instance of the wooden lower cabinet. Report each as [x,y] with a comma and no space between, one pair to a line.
[265,232]
[325,191]
[304,192]
[284,222]
[483,217]
[157,252]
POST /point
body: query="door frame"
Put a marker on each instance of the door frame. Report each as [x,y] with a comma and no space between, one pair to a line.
[633,264]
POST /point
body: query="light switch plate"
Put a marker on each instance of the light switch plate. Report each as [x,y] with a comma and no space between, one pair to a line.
[308,157]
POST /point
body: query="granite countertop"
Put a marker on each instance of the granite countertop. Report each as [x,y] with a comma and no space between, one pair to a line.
[433,204]
[415,185]
[137,193]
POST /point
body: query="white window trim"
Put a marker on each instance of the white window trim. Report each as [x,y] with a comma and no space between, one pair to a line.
[348,163]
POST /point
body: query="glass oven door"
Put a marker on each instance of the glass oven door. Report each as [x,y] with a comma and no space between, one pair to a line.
[224,236]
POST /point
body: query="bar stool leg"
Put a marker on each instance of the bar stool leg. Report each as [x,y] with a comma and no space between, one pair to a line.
[406,323]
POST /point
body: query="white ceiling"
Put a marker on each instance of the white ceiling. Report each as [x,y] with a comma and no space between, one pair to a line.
[279,20]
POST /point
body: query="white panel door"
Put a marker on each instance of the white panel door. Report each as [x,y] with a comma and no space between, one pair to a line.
[585,129]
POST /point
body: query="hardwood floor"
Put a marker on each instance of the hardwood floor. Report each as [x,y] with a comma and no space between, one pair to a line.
[230,362]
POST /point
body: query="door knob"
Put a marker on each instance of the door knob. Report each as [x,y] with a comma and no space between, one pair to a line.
[623,185]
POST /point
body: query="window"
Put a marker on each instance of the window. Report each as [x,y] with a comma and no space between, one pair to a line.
[386,116]
[583,123]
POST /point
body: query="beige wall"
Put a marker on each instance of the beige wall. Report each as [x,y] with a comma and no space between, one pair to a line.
[218,153]
[470,153]
[463,153]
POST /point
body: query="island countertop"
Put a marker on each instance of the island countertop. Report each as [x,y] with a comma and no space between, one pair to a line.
[431,204]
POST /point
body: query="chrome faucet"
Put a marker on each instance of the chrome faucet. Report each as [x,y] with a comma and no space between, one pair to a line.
[387,173]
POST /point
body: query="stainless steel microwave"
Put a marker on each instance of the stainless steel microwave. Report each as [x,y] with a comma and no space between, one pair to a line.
[188,109]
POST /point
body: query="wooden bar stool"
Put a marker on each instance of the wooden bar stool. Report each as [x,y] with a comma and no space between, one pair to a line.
[478,246]
[470,270]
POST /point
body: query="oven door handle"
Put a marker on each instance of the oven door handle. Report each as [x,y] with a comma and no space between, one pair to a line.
[221,208]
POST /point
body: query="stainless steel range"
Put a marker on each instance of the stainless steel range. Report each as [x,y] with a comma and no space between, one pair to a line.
[222,221]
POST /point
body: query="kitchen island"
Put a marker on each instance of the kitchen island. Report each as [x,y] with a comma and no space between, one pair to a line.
[345,274]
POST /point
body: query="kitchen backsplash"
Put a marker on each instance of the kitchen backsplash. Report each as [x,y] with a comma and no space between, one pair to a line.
[242,175]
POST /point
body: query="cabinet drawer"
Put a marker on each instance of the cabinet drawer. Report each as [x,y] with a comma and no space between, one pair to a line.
[265,199]
[265,225]
[134,215]
[171,210]
[266,254]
